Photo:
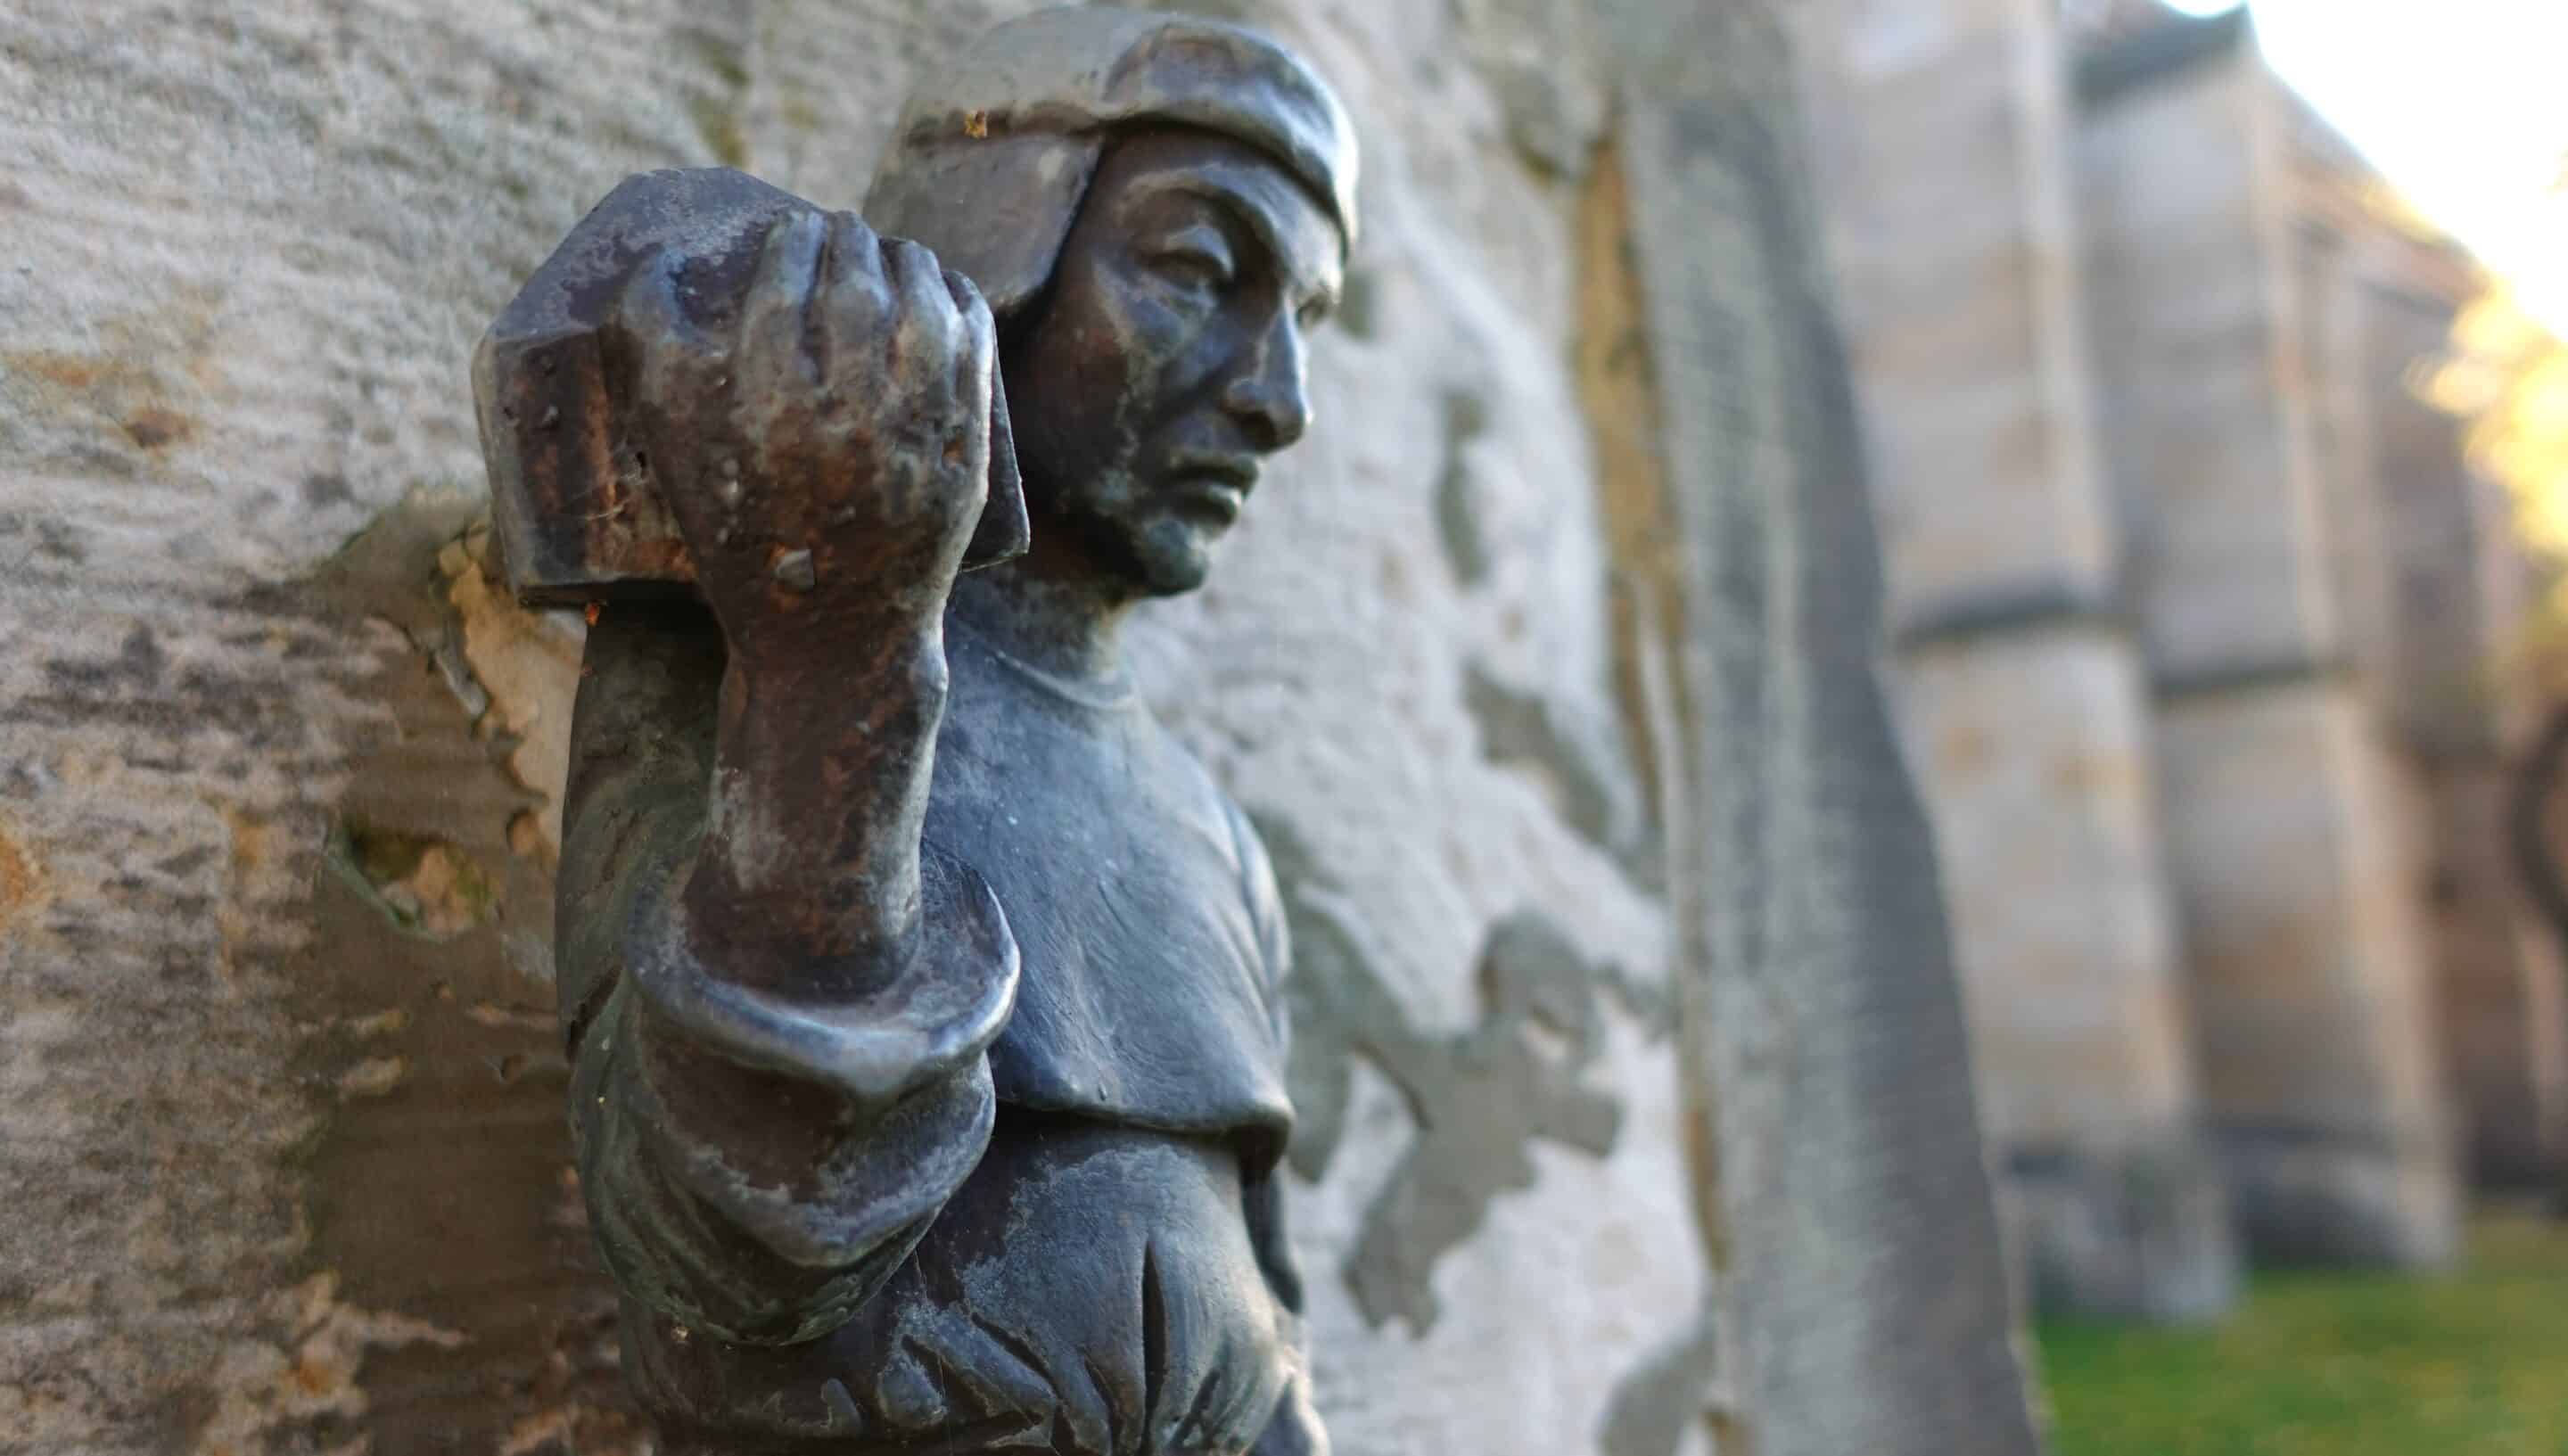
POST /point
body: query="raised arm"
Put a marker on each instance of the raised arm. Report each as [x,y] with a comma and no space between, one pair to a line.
[777,998]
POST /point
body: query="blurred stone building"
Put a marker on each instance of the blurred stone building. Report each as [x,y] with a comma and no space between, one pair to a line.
[2196,610]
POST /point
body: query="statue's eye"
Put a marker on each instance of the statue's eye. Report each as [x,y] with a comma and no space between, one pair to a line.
[1198,260]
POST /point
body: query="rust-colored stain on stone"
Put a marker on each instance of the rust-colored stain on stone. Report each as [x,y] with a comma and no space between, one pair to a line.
[2094,774]
[152,427]
[154,376]
[17,879]
[315,1377]
[1965,749]
[254,843]
[69,371]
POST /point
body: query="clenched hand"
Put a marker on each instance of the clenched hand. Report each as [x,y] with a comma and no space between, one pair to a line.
[826,451]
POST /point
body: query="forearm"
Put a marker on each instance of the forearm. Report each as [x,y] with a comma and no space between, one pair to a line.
[754,1157]
[779,1000]
[808,877]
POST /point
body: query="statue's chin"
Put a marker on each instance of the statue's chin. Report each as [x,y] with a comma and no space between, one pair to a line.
[1164,557]
[1180,568]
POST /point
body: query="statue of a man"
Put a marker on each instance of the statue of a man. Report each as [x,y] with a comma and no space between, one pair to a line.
[922,993]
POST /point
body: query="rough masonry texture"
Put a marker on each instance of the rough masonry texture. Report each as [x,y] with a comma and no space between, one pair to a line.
[2203,625]
[2434,591]
[1863,1306]
[1625,958]
[2286,841]
[2023,688]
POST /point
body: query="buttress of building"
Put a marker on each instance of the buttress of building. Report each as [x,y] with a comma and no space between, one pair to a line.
[2194,606]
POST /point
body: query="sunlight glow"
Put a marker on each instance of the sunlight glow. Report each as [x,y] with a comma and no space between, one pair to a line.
[2460,104]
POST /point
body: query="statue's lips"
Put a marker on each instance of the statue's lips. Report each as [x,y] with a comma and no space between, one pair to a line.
[1216,486]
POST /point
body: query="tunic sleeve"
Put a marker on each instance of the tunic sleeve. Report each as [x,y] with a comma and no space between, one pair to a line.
[755,1165]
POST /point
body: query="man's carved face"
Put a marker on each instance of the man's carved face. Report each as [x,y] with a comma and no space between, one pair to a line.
[1166,359]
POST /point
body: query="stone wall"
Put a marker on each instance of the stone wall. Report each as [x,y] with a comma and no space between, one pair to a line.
[1944,166]
[2437,615]
[2287,826]
[2202,627]
[277,776]
[1862,1304]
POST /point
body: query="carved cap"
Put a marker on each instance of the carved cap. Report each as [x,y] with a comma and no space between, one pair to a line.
[995,149]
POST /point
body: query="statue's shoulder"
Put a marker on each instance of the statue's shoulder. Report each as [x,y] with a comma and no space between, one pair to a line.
[1257,882]
[1196,780]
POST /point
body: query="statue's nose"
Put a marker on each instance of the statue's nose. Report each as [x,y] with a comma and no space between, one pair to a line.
[1270,398]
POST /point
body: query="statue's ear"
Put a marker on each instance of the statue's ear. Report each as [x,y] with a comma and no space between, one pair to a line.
[994,208]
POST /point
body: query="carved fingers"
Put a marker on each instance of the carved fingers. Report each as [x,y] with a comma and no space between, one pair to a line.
[772,400]
[830,448]
[974,372]
[925,354]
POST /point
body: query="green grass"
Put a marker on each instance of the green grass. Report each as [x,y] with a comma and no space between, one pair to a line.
[2472,1363]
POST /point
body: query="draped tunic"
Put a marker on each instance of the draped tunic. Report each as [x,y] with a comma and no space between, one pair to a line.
[1033,1199]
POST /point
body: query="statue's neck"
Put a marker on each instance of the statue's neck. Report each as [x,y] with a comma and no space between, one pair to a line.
[1052,608]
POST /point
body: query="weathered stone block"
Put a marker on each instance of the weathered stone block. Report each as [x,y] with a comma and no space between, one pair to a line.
[1943,170]
[2136,1231]
[1939,157]
[2312,1012]
[2199,357]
